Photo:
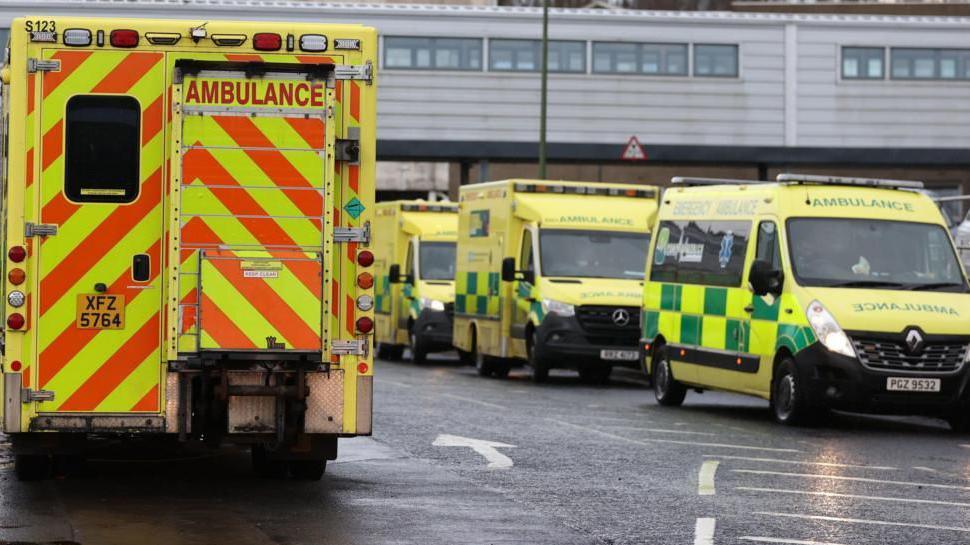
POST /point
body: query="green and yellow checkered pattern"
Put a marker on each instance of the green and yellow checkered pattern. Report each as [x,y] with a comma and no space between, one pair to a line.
[715,317]
[477,294]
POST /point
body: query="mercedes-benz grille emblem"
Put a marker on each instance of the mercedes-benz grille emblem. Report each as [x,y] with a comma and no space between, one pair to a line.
[914,341]
[621,317]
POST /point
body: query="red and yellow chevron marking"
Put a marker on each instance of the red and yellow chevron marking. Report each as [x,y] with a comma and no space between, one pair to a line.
[100,370]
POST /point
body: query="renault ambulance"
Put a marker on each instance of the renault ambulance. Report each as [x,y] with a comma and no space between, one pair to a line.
[813,292]
[187,210]
[550,273]
[415,277]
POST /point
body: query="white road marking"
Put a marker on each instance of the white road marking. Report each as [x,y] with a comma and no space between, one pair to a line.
[668,441]
[863,521]
[488,449]
[704,531]
[658,430]
[782,540]
[965,446]
[475,401]
[927,469]
[852,496]
[705,479]
[820,464]
[855,479]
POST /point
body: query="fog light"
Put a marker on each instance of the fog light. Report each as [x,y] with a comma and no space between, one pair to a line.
[16,298]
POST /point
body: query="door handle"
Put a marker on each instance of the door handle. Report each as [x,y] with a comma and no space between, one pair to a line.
[749,309]
[141,268]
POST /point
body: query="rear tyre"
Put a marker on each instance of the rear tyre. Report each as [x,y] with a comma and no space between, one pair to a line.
[500,368]
[789,396]
[595,374]
[32,467]
[540,367]
[264,465]
[466,358]
[484,364]
[666,389]
[419,349]
[308,470]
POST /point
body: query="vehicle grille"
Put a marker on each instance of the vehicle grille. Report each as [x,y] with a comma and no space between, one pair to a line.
[597,321]
[892,356]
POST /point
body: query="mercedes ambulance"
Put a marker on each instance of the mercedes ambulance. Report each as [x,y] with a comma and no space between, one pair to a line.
[415,277]
[813,292]
[550,273]
[187,209]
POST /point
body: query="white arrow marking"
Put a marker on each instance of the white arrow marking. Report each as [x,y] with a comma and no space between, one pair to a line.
[496,460]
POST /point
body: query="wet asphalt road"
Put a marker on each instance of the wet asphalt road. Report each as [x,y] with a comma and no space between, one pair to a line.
[589,464]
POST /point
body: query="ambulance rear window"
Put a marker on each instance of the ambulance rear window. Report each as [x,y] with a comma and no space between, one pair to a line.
[102,148]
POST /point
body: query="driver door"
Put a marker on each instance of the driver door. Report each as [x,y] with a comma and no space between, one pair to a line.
[764,309]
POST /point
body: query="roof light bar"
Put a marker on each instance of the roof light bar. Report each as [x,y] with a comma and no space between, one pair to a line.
[585,190]
[846,180]
[688,181]
[438,207]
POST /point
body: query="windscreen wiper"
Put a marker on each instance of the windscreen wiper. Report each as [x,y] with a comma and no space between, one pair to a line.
[865,284]
[936,286]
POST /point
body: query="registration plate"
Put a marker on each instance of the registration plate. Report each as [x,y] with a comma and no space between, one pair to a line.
[904,384]
[619,355]
[100,311]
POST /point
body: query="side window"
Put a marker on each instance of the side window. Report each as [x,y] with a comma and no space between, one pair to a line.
[768,249]
[409,260]
[526,258]
[102,148]
[700,252]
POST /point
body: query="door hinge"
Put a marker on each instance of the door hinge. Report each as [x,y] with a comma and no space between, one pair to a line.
[40,229]
[41,65]
[28,395]
[356,347]
[361,72]
[348,149]
[352,234]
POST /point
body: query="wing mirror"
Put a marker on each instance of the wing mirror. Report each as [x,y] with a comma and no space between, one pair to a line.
[765,279]
[509,274]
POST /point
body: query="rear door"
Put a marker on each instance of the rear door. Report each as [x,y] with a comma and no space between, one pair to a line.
[101,184]
[253,201]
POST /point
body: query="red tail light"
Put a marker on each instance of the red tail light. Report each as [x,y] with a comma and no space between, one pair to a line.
[16,276]
[124,38]
[365,258]
[16,366]
[16,321]
[267,41]
[364,280]
[17,254]
[362,367]
[364,325]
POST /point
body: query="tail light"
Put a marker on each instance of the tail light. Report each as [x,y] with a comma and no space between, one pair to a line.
[17,254]
[267,41]
[365,258]
[364,280]
[16,321]
[364,325]
[16,276]
[362,367]
[16,366]
[124,38]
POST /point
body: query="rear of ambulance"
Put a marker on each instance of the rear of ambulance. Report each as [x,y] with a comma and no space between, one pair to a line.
[197,206]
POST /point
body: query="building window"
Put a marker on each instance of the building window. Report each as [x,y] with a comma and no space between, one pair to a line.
[433,53]
[863,63]
[102,148]
[526,56]
[720,61]
[648,59]
[936,64]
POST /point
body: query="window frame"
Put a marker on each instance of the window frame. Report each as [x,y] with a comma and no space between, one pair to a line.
[962,56]
[737,60]
[68,187]
[638,57]
[433,48]
[537,50]
[884,65]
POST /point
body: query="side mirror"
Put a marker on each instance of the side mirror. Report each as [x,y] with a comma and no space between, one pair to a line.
[528,276]
[508,269]
[394,274]
[765,279]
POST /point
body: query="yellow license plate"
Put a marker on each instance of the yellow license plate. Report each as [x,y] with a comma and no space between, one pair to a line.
[100,311]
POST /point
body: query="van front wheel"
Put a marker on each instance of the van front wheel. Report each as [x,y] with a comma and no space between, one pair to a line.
[789,395]
[668,391]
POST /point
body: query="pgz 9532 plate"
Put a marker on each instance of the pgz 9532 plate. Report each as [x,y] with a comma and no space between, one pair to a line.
[100,311]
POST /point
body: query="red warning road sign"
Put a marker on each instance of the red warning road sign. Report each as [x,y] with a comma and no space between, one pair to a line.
[633,151]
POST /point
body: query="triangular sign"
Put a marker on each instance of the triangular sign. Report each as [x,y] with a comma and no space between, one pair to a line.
[633,151]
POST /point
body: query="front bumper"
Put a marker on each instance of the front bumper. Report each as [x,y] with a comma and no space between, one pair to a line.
[562,342]
[840,382]
[434,327]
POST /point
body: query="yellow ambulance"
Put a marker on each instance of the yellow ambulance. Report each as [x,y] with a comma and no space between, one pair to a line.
[187,209]
[813,292]
[415,242]
[550,273]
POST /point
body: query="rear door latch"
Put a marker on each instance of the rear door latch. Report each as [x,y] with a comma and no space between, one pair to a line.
[28,395]
[40,229]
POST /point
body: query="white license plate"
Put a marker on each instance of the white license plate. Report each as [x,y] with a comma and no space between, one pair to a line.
[904,384]
[619,355]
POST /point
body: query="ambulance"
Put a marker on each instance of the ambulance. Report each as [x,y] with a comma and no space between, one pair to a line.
[415,277]
[186,229]
[813,292]
[550,273]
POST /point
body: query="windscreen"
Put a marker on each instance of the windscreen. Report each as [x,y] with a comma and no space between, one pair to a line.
[437,260]
[593,254]
[862,253]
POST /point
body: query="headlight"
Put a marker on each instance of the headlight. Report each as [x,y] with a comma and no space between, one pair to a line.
[827,330]
[550,306]
[432,304]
